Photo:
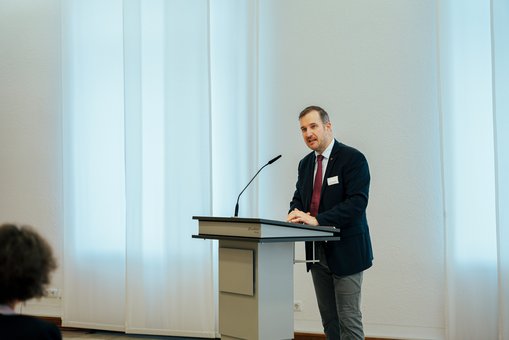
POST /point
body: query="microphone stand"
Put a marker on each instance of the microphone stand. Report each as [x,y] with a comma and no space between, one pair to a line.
[268,163]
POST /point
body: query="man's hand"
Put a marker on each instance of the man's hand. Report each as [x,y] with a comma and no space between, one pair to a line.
[297,216]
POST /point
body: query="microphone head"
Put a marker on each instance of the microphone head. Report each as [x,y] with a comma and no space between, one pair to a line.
[274,159]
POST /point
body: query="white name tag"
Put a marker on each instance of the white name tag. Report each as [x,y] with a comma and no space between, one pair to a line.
[332,180]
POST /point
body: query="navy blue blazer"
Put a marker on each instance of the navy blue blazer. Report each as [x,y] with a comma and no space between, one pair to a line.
[343,203]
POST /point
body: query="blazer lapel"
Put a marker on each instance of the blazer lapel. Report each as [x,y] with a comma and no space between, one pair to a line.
[330,165]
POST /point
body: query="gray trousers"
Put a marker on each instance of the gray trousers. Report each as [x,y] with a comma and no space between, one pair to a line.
[339,299]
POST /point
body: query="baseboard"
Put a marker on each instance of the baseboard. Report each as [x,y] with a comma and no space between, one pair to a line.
[313,336]
[308,336]
[298,336]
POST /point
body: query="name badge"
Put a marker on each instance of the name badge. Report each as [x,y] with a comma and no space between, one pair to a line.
[332,180]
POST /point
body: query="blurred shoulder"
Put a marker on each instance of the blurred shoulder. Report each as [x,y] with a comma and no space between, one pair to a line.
[27,327]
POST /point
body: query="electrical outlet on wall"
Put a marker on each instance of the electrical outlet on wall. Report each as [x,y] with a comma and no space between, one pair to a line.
[52,292]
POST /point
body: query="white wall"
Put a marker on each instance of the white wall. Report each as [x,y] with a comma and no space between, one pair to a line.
[371,64]
[30,128]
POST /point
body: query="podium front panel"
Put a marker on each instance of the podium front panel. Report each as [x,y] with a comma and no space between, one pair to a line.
[268,313]
[236,271]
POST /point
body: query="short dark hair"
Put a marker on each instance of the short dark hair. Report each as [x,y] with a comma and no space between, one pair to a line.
[26,261]
[324,116]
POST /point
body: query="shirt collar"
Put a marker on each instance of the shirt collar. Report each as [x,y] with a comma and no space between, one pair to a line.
[326,153]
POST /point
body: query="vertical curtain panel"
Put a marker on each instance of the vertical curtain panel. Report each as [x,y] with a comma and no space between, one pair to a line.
[166,80]
[150,100]
[500,37]
[473,73]
[94,171]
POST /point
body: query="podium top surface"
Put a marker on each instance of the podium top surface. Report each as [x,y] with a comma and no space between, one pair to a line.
[329,229]
[261,229]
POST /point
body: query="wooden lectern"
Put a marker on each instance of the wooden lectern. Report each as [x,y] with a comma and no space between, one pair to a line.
[256,258]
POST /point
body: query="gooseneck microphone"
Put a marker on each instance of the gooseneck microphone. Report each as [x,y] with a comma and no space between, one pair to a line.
[268,163]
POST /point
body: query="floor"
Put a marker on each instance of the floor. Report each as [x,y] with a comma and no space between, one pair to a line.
[71,334]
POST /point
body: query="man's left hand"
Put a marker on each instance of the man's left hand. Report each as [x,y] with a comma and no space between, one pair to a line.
[297,216]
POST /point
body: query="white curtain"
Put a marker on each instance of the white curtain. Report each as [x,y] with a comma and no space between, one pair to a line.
[158,118]
[500,28]
[473,50]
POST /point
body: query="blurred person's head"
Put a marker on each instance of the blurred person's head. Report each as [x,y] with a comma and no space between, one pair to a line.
[26,261]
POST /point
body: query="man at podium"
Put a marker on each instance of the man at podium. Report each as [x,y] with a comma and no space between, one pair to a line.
[332,190]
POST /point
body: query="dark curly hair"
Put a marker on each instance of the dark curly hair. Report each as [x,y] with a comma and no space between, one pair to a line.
[26,261]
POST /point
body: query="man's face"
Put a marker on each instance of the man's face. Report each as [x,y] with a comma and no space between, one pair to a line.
[316,134]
